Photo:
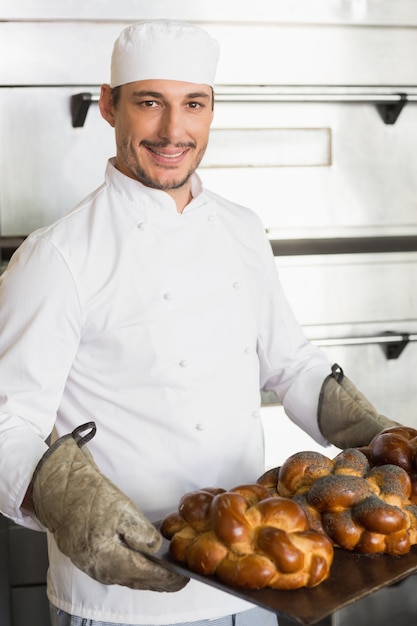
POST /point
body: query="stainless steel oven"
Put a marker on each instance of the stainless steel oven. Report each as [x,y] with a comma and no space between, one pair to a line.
[315,128]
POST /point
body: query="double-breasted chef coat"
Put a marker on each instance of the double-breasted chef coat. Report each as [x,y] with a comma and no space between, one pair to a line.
[161,327]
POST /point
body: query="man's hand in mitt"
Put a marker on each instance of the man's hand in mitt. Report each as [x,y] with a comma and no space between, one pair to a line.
[345,417]
[98,527]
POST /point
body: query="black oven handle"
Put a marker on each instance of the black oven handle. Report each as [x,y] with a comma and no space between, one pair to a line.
[389,105]
[392,343]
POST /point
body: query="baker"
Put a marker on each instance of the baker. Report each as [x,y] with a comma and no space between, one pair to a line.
[152,312]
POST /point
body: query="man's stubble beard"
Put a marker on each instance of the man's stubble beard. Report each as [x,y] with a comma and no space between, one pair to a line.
[140,173]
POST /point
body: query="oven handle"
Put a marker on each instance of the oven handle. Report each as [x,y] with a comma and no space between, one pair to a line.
[389,105]
[392,343]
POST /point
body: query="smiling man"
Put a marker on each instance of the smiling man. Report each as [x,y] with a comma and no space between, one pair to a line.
[160,103]
[162,129]
[153,308]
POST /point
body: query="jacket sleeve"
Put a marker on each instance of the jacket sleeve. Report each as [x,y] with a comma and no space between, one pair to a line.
[39,334]
[290,365]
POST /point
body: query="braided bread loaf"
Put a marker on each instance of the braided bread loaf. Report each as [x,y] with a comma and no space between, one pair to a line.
[396,446]
[248,539]
[360,508]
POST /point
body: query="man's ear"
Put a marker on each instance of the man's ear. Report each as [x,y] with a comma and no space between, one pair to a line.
[106,104]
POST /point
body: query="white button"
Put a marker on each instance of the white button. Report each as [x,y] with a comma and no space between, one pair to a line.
[212,218]
[142,226]
[168,296]
[199,426]
[236,285]
[248,350]
[256,414]
[183,363]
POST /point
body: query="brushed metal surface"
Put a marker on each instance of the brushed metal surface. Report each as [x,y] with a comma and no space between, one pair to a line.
[401,12]
[323,68]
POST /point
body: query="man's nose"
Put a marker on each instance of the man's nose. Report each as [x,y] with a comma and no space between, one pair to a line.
[171,125]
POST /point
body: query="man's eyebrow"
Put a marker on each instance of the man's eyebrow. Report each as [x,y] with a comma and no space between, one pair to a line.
[198,94]
[148,94]
[160,96]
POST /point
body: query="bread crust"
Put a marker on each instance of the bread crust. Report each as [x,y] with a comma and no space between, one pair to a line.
[248,539]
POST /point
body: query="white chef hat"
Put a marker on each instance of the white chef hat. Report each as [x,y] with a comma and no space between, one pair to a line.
[164,49]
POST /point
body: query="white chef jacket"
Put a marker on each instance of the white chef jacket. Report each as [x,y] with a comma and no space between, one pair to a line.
[161,327]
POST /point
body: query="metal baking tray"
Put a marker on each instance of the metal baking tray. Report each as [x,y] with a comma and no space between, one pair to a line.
[352,577]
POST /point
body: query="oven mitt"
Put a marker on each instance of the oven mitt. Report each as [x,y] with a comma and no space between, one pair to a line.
[345,417]
[93,523]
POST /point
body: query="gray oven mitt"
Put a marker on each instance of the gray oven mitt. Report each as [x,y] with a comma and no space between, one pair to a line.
[345,417]
[98,527]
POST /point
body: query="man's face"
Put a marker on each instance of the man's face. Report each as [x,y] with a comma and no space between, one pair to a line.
[162,129]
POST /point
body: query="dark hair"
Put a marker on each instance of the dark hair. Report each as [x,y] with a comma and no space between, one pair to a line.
[115,94]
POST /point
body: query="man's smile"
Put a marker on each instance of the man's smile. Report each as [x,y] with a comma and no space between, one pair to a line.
[168,155]
[162,155]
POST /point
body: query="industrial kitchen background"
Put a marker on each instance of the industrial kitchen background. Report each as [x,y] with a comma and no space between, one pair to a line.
[315,128]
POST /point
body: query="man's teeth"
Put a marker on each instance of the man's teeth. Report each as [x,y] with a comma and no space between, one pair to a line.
[169,156]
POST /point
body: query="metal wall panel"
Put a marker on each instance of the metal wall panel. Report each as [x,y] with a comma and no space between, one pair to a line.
[5,612]
[357,289]
[30,606]
[369,186]
[28,557]
[78,52]
[47,166]
[23,567]
[359,183]
[400,12]
[364,185]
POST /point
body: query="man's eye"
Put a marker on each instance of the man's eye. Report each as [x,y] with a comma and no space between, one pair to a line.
[195,105]
[146,104]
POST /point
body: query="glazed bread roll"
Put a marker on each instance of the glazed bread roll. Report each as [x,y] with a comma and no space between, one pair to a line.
[301,470]
[396,446]
[248,539]
[360,503]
